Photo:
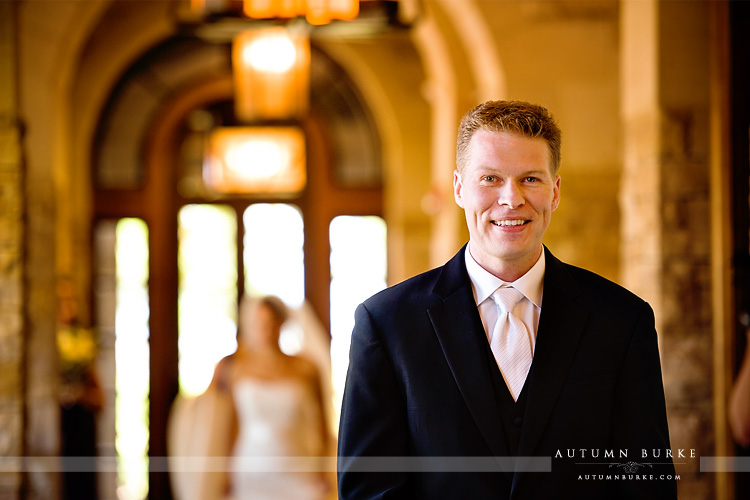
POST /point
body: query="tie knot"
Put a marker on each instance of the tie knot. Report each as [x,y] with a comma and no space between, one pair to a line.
[506,297]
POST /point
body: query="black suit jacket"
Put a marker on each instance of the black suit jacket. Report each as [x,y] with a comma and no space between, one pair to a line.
[420,384]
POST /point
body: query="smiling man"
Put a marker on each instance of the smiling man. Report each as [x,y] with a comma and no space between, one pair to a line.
[465,382]
[508,186]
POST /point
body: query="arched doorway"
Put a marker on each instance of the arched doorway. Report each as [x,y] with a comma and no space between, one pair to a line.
[151,206]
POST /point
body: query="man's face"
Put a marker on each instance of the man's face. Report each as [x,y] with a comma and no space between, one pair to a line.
[508,194]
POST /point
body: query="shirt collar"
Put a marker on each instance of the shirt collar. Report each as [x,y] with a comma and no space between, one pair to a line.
[484,283]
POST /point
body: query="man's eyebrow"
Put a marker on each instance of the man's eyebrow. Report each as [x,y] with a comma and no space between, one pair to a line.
[487,169]
[534,172]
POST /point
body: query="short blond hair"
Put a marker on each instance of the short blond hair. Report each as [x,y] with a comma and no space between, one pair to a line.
[515,117]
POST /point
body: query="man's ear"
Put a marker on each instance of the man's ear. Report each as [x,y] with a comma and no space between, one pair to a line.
[457,188]
[556,194]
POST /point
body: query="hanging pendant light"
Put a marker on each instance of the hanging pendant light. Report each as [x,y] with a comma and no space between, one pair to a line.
[271,74]
[259,160]
[317,12]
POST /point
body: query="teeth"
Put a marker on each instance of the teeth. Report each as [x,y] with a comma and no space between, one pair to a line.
[516,222]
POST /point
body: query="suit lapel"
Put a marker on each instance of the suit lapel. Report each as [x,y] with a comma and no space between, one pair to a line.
[461,335]
[459,330]
[560,327]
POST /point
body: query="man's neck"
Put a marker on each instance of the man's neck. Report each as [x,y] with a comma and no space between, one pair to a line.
[508,270]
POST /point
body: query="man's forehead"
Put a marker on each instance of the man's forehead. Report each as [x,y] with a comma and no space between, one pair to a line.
[499,141]
[498,132]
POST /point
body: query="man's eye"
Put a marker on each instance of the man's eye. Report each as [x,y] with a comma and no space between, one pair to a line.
[531,179]
[489,178]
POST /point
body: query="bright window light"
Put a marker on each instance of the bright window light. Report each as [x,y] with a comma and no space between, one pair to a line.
[274,255]
[207,292]
[358,270]
[274,260]
[132,358]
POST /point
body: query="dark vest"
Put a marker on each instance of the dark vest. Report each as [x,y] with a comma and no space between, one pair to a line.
[511,412]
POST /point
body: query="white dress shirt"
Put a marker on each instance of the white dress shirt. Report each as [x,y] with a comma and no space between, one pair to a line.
[530,285]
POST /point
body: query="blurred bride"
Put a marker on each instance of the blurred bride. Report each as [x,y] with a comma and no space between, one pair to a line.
[278,417]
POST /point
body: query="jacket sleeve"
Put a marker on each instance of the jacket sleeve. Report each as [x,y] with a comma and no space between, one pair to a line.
[640,415]
[373,422]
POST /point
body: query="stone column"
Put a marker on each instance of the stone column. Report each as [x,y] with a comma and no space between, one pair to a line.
[40,157]
[11,259]
[665,210]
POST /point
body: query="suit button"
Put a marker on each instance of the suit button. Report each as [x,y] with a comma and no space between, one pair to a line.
[517,421]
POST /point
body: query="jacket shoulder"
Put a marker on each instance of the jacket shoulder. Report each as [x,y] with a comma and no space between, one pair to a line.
[411,292]
[601,290]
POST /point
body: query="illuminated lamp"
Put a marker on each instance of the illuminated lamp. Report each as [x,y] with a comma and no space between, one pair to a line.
[316,12]
[256,160]
[271,74]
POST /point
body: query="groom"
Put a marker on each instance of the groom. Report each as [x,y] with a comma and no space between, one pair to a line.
[477,379]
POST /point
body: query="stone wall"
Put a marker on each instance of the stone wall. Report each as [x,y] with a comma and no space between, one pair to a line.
[665,211]
[11,260]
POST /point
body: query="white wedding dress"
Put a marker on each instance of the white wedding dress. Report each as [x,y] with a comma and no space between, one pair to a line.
[276,455]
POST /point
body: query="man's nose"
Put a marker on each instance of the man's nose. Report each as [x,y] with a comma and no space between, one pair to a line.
[511,195]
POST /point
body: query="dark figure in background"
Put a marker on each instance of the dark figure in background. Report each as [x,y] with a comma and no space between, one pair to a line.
[81,398]
[446,365]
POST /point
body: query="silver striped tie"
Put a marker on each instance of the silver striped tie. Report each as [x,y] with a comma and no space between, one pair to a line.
[510,341]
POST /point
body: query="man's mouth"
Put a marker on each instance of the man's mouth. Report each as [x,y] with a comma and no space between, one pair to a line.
[509,223]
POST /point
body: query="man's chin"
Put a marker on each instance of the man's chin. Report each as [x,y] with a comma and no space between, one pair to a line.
[515,253]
